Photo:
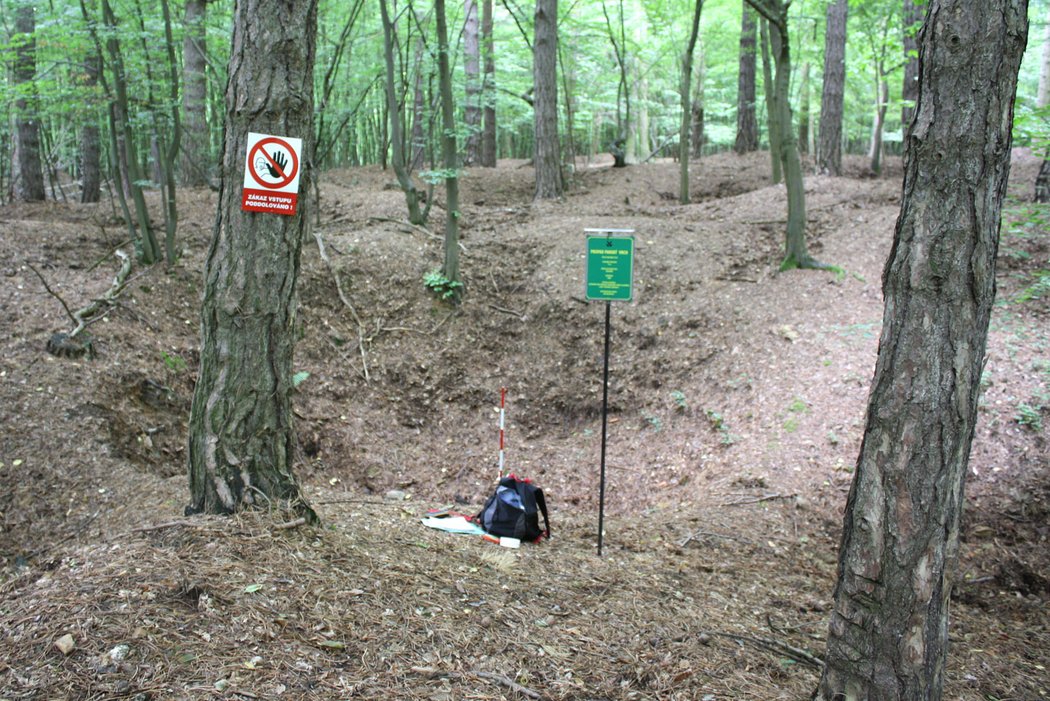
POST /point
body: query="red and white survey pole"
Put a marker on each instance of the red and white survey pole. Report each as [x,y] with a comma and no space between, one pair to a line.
[502,405]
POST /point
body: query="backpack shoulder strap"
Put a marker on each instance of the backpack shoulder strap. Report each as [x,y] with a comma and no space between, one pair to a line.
[541,503]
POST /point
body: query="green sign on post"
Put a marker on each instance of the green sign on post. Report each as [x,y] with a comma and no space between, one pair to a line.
[610,268]
[610,278]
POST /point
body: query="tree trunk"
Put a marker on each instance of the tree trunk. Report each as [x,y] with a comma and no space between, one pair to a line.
[546,151]
[472,72]
[404,179]
[829,152]
[699,103]
[888,636]
[196,158]
[796,255]
[128,167]
[913,16]
[684,150]
[882,99]
[746,123]
[488,89]
[90,139]
[803,110]
[1042,180]
[242,440]
[450,269]
[27,174]
[419,138]
[771,112]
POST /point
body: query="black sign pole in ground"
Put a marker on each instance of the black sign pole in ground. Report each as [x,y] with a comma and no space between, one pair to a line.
[610,278]
[605,421]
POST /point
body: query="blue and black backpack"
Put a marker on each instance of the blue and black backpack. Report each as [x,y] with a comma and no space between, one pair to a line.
[513,511]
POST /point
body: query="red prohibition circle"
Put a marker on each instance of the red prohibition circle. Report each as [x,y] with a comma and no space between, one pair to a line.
[293,166]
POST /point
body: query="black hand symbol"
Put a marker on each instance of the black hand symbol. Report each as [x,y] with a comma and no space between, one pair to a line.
[281,160]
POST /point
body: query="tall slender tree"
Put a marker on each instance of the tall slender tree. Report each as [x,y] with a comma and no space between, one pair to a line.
[393,105]
[1042,101]
[772,114]
[450,269]
[547,152]
[684,151]
[242,443]
[90,136]
[488,88]
[472,73]
[746,122]
[195,152]
[829,150]
[27,174]
[796,255]
[912,21]
[888,637]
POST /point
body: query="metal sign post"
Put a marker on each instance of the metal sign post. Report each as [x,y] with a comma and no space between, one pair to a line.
[610,278]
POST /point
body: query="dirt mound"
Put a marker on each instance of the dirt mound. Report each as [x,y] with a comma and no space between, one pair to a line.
[737,399]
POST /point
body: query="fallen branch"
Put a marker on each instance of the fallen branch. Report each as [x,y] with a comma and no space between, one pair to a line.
[776,646]
[346,302]
[54,294]
[699,534]
[295,523]
[510,684]
[759,500]
[520,315]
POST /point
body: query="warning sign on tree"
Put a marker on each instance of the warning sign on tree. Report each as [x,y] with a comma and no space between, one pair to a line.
[271,174]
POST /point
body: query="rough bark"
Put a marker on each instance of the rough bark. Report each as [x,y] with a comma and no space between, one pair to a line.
[488,89]
[684,134]
[746,121]
[27,174]
[450,269]
[242,441]
[472,73]
[829,150]
[195,157]
[914,11]
[546,154]
[888,636]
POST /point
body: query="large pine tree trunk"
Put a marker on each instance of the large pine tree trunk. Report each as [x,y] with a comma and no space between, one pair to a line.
[829,151]
[242,439]
[546,154]
[913,15]
[746,121]
[27,174]
[488,91]
[195,158]
[472,72]
[888,637]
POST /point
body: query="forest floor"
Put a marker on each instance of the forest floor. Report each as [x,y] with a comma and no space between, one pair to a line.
[737,408]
